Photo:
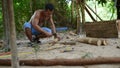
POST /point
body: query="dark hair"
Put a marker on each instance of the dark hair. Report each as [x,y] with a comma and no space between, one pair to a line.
[49,6]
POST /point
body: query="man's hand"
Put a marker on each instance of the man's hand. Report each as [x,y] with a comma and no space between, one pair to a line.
[58,38]
[55,36]
[49,35]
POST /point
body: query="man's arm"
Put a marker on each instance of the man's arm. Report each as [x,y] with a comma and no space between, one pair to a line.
[53,27]
[35,22]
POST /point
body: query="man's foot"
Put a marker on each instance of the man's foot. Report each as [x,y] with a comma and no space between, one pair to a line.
[36,40]
[32,44]
[39,42]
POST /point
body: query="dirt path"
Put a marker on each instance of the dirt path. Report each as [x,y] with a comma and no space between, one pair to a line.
[79,50]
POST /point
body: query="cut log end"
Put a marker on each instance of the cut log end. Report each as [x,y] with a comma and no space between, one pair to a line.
[99,42]
[104,42]
[93,41]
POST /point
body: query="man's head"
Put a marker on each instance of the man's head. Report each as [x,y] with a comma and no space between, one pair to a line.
[49,9]
[49,6]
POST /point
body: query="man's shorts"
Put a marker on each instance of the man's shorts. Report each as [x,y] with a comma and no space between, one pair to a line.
[34,31]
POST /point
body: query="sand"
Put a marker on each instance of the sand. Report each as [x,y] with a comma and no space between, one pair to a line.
[79,50]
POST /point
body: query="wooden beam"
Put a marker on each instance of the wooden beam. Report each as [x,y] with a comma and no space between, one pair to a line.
[64,62]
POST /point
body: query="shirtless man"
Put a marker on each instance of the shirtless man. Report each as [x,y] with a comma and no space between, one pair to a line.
[34,26]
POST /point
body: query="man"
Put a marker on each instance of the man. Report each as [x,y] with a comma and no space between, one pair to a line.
[34,26]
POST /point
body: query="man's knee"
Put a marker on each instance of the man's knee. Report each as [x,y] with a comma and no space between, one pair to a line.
[27,29]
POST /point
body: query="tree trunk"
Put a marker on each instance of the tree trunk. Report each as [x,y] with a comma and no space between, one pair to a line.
[78,17]
[72,12]
[118,9]
[34,6]
[31,8]
[83,11]
[83,15]
[13,46]
[6,25]
[118,12]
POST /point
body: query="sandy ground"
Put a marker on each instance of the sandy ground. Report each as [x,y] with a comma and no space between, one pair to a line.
[79,50]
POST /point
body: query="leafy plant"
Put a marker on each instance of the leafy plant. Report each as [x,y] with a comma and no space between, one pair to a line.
[36,48]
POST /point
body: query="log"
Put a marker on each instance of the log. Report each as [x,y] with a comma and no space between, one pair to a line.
[53,42]
[63,42]
[5,53]
[72,33]
[67,49]
[118,27]
[93,41]
[64,62]
[68,43]
[104,42]
[83,40]
[97,42]
[57,46]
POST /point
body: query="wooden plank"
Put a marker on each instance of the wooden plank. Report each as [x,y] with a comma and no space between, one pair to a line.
[98,26]
[107,29]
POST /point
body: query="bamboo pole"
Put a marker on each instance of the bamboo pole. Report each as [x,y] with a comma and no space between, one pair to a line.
[64,62]
[94,12]
[90,14]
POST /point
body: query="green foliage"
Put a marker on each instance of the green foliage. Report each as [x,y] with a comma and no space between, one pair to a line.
[103,2]
[36,48]
[62,12]
[106,12]
[111,9]
[1,20]
[23,11]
